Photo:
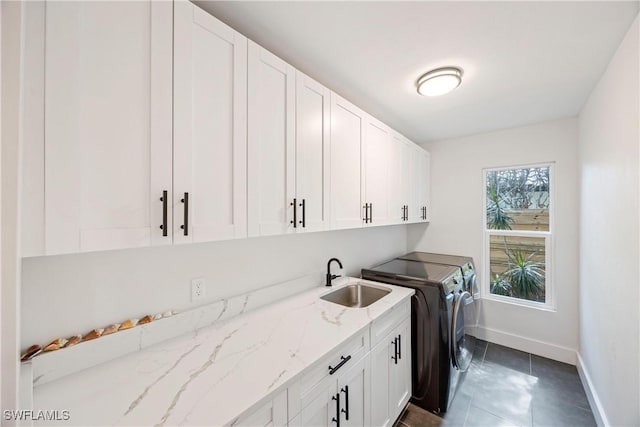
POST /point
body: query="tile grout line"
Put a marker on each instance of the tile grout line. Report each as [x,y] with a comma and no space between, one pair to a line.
[531,374]
[466,416]
[486,347]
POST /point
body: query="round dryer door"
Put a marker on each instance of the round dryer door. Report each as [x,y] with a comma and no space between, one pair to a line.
[462,343]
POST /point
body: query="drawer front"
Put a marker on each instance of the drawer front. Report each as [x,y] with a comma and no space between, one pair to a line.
[382,326]
[340,360]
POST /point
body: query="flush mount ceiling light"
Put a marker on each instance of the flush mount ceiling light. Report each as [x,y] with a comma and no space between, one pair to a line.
[439,81]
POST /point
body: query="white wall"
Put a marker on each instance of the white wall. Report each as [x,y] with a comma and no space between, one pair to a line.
[69,294]
[609,233]
[456,227]
[10,290]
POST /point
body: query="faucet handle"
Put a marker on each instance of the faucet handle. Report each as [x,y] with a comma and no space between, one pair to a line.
[333,276]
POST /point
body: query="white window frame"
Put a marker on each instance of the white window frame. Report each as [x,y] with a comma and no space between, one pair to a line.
[485,292]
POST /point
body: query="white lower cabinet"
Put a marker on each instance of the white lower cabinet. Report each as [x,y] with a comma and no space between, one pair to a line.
[273,413]
[356,386]
[391,375]
[400,369]
[340,401]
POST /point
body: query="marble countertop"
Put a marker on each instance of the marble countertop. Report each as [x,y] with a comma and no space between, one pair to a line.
[217,374]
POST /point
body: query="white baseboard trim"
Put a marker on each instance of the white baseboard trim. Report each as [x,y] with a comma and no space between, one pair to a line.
[592,396]
[540,348]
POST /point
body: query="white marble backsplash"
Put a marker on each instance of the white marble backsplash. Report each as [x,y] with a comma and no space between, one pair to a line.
[51,366]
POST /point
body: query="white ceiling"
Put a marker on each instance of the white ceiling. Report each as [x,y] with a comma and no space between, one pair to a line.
[524,62]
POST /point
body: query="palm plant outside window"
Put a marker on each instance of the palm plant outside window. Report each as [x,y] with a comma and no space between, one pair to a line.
[518,233]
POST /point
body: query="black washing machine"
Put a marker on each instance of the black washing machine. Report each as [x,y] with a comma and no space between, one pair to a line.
[441,349]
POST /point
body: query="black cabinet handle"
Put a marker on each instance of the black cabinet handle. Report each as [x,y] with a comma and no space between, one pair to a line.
[295,210]
[339,365]
[399,346]
[163,199]
[303,205]
[395,351]
[370,212]
[337,418]
[366,213]
[345,390]
[185,225]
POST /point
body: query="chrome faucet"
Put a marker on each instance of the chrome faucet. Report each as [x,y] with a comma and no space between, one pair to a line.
[330,276]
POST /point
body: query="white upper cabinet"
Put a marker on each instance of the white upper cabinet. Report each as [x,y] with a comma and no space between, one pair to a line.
[347,137]
[166,126]
[271,155]
[400,179]
[107,73]
[426,185]
[312,154]
[419,211]
[209,155]
[376,152]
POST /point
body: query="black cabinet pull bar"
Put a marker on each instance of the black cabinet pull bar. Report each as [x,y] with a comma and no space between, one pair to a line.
[164,201]
[185,225]
[337,418]
[304,219]
[295,210]
[345,390]
[395,351]
[343,360]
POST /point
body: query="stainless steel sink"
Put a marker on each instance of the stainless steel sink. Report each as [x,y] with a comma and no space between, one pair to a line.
[356,295]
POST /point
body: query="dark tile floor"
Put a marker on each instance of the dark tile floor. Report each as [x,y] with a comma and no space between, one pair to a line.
[506,387]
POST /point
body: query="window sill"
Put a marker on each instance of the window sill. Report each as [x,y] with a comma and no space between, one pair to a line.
[521,303]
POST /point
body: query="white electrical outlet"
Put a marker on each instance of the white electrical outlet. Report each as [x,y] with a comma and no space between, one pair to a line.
[198,289]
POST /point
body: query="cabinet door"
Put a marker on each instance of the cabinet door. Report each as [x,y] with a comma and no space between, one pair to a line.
[418,182]
[210,128]
[399,178]
[107,134]
[400,370]
[375,176]
[321,409]
[271,156]
[380,366]
[354,387]
[426,184]
[312,153]
[421,171]
[347,129]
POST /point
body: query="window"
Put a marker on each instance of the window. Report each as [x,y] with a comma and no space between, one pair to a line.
[518,226]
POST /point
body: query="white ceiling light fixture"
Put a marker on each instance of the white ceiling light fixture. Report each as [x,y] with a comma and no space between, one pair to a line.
[439,81]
